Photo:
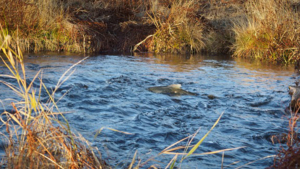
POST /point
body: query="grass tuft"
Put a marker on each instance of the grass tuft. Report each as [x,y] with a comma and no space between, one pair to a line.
[35,137]
[270,31]
[178,29]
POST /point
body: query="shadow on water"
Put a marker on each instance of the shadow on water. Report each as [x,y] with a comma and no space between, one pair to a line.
[111,91]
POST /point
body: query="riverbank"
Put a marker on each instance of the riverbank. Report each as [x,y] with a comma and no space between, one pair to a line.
[243,28]
[167,35]
[105,93]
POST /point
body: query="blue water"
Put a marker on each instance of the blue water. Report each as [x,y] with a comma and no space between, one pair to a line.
[111,92]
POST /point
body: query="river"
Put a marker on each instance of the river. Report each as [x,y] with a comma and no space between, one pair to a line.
[111,91]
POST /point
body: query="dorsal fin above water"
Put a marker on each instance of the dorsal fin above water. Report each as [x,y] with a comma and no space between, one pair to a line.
[292,89]
[176,86]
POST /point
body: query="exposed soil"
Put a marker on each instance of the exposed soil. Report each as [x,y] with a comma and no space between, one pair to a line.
[120,29]
[111,31]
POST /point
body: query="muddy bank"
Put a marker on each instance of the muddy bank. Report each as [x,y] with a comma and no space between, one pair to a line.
[240,27]
[114,26]
[152,26]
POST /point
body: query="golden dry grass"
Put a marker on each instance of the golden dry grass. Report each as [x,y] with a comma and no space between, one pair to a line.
[289,155]
[35,136]
[39,25]
[262,29]
[269,32]
[178,29]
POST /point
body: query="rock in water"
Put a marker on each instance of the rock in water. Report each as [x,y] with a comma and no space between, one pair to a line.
[295,92]
[171,90]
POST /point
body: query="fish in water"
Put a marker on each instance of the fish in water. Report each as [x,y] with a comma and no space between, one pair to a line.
[295,92]
[171,90]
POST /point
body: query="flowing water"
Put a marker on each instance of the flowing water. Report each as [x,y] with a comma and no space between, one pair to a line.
[111,92]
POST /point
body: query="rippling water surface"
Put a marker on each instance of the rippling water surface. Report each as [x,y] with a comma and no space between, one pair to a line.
[111,91]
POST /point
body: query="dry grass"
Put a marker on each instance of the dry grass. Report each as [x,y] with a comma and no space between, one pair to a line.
[74,25]
[35,137]
[271,31]
[178,29]
[219,14]
[289,154]
[39,25]
[117,25]
[191,26]
[180,150]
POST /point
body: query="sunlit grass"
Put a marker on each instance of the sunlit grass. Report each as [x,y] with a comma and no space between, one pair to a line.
[270,32]
[39,25]
[177,27]
[34,136]
[183,26]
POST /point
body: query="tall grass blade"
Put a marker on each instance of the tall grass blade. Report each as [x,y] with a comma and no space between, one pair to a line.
[172,162]
[202,139]
[206,153]
[51,161]
[100,130]
[270,156]
[133,160]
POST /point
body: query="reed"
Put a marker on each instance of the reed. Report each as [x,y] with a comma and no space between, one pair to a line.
[270,31]
[178,29]
[180,150]
[35,136]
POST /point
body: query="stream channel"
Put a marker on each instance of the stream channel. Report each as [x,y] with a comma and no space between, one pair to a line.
[111,91]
